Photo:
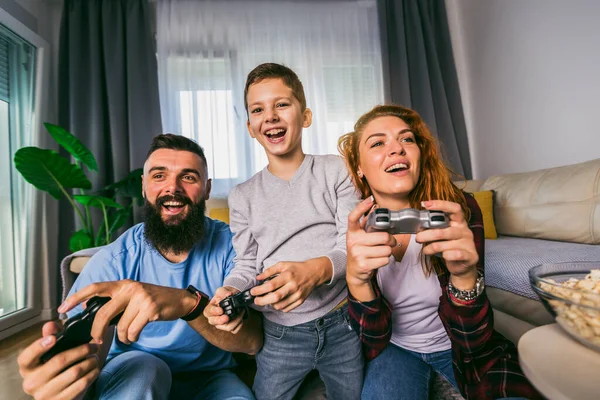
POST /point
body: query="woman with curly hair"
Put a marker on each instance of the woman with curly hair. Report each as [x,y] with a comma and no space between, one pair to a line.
[418,300]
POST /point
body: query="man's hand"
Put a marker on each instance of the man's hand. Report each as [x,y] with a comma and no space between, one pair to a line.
[141,303]
[65,376]
[366,252]
[455,244]
[295,282]
[214,313]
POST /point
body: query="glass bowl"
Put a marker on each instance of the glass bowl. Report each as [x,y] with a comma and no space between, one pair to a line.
[573,300]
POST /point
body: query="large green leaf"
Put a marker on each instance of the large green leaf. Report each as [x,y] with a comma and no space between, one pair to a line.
[72,145]
[130,186]
[80,240]
[48,171]
[119,219]
[115,221]
[96,201]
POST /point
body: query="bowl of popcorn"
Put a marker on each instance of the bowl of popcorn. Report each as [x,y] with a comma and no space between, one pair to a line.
[571,293]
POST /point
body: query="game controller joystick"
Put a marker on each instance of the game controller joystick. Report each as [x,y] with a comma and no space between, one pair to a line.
[232,305]
[409,220]
[76,331]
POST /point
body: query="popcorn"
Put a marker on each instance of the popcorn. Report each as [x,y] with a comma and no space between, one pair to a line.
[582,322]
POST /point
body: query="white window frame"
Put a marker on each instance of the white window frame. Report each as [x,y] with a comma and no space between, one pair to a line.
[37,260]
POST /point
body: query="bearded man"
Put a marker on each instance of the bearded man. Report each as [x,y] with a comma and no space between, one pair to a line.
[160,274]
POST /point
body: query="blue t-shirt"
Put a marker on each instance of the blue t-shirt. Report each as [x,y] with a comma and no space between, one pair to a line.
[207,265]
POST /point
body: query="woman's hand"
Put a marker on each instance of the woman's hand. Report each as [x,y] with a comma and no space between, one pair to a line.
[366,252]
[455,244]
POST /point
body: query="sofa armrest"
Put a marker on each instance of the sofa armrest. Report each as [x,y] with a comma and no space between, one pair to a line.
[77,264]
[72,265]
[470,186]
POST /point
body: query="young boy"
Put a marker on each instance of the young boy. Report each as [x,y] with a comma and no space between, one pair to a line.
[290,220]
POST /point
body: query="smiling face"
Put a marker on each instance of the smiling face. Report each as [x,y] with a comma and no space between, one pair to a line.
[276,118]
[389,160]
[173,182]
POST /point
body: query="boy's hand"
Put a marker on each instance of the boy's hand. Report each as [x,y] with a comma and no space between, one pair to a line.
[65,376]
[295,282]
[214,313]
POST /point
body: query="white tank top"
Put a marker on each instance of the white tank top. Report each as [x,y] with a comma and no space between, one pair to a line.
[415,299]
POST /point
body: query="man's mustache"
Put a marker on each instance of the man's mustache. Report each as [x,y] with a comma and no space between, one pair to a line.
[180,198]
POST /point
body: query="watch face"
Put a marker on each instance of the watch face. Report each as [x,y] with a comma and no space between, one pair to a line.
[479,286]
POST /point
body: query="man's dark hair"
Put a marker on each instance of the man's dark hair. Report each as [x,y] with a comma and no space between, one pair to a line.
[274,71]
[176,142]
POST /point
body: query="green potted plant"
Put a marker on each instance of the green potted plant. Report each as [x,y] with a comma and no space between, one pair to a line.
[50,172]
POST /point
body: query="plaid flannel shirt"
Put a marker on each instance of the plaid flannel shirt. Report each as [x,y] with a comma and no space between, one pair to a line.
[486,365]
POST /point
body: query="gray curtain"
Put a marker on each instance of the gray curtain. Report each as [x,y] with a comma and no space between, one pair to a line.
[420,72]
[108,88]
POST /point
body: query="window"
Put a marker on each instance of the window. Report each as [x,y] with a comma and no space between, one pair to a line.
[198,116]
[21,81]
[17,68]
[334,47]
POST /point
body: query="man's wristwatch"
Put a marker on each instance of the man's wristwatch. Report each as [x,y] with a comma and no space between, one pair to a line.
[202,301]
[468,295]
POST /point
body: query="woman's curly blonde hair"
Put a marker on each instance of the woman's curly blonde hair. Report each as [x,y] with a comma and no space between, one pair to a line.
[435,179]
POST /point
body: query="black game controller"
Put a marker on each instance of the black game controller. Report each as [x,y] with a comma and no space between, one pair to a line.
[235,303]
[409,220]
[76,331]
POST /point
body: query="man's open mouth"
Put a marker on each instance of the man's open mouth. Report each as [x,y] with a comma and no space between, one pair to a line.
[173,207]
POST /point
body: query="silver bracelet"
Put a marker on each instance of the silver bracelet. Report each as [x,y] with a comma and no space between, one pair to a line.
[468,295]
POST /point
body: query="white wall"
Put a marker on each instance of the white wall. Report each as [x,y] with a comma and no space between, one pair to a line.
[529,72]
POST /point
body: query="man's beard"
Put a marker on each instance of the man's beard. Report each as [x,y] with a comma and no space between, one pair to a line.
[179,233]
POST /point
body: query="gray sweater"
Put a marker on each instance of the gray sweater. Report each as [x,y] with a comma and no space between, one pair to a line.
[306,217]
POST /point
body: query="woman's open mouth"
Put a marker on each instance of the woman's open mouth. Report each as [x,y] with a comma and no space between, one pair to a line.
[397,169]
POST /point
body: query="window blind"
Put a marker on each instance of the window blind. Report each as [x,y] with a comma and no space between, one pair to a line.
[4,76]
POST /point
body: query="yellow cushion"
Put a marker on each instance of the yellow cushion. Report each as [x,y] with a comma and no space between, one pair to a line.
[485,200]
[222,214]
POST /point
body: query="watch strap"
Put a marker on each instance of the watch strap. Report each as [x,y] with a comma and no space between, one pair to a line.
[201,303]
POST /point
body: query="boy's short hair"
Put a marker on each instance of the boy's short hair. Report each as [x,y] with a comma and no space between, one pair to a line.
[274,71]
[176,142]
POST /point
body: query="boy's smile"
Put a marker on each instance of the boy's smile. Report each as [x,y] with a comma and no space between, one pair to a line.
[275,118]
[275,135]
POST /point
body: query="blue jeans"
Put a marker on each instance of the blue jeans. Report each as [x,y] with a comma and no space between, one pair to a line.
[403,374]
[139,375]
[289,353]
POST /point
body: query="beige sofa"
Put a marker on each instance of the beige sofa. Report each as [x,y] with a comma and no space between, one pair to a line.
[550,215]
[545,216]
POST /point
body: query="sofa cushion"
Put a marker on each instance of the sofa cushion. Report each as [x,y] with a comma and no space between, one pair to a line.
[520,307]
[485,201]
[557,204]
[78,263]
[222,214]
[508,260]
[470,186]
